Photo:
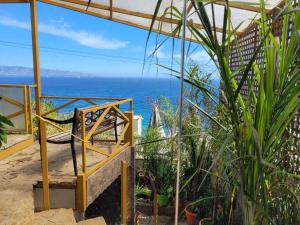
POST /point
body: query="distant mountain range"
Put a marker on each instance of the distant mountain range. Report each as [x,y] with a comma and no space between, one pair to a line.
[27,71]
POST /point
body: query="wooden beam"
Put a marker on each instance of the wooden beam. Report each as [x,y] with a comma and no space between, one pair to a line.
[95,126]
[14,1]
[114,19]
[243,6]
[132,13]
[12,102]
[97,149]
[25,108]
[82,98]
[16,148]
[112,9]
[124,187]
[44,156]
[103,162]
[60,107]
[36,57]
[127,12]
[83,142]
[15,114]
[37,79]
[81,192]
[129,133]
[29,110]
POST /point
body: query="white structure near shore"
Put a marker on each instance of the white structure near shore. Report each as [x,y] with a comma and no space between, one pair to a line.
[137,125]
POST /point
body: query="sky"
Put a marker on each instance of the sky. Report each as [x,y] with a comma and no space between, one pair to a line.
[77,42]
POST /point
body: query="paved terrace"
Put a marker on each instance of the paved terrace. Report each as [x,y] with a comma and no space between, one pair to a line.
[20,171]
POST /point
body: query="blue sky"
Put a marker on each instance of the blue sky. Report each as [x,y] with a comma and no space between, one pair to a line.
[76,42]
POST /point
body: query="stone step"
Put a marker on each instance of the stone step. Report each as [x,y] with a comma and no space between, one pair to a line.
[94,221]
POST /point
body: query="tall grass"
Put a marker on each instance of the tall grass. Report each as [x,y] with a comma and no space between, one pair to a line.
[254,152]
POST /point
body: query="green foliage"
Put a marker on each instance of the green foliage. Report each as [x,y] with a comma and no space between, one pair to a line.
[251,162]
[196,152]
[142,191]
[168,115]
[48,105]
[3,123]
[158,161]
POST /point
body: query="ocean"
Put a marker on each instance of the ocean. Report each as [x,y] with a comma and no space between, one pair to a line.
[142,90]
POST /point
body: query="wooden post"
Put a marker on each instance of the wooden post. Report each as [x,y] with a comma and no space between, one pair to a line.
[155,210]
[25,108]
[37,80]
[29,110]
[83,142]
[124,178]
[44,157]
[129,133]
[81,192]
[36,57]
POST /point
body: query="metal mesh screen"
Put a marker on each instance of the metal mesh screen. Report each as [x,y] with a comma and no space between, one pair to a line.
[243,47]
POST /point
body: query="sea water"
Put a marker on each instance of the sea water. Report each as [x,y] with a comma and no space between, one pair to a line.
[142,90]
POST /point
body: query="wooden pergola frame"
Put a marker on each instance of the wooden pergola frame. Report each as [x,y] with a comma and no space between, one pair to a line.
[235,5]
[36,59]
[112,9]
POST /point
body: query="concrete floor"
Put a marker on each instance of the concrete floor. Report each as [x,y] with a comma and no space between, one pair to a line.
[20,171]
[13,139]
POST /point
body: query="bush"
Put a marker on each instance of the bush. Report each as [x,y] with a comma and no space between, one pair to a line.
[3,123]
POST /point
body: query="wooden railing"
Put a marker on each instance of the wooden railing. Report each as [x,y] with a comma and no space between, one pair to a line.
[22,108]
[125,120]
[125,139]
[73,100]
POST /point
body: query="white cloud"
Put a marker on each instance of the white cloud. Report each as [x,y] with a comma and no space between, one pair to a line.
[62,30]
[200,56]
[159,53]
[14,23]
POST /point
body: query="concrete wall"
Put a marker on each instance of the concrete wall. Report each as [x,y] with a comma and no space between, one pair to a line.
[59,198]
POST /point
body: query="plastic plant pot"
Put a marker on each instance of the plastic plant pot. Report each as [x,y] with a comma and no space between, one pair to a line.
[190,216]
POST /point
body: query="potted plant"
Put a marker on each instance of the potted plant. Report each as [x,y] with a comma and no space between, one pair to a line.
[199,210]
[191,212]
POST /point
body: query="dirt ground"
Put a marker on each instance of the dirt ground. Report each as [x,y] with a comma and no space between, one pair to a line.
[17,175]
[20,171]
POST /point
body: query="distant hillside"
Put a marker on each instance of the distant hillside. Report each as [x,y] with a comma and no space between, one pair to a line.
[27,71]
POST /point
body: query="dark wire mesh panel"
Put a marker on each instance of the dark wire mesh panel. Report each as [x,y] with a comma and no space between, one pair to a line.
[242,49]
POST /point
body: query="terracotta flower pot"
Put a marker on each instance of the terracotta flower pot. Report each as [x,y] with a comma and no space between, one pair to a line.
[190,217]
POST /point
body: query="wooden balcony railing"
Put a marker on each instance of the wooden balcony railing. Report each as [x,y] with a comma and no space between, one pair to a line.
[125,138]
[18,98]
[91,118]
[95,114]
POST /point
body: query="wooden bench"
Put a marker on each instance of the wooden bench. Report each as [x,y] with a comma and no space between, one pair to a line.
[91,117]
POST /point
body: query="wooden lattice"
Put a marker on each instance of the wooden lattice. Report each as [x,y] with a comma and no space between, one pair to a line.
[243,47]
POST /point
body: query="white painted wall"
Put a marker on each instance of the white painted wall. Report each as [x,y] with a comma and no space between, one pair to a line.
[7,108]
